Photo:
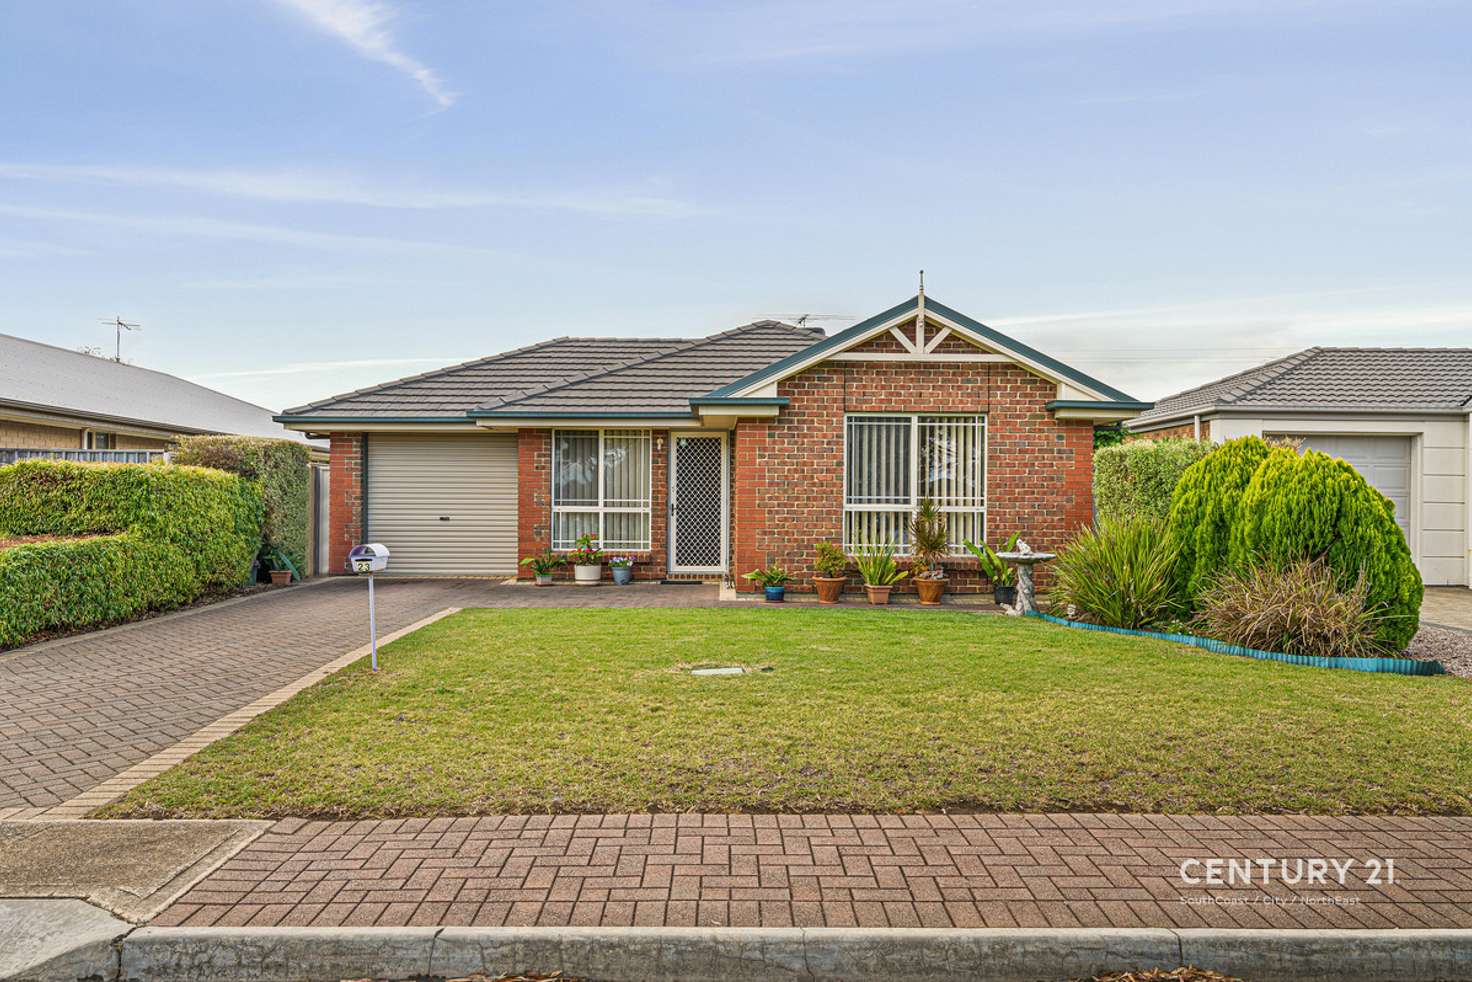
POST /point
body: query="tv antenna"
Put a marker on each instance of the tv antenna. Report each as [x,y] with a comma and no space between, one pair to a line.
[120,325]
[801,320]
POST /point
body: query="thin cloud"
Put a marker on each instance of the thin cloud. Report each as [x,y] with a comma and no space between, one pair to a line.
[363,26]
[242,231]
[26,249]
[313,367]
[315,188]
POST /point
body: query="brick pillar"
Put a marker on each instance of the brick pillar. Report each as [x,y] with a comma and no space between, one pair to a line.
[345,499]
[747,515]
[533,494]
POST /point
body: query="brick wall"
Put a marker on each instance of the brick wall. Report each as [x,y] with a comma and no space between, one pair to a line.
[534,502]
[345,499]
[34,436]
[789,470]
[1185,430]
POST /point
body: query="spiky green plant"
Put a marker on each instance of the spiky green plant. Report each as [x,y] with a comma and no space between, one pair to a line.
[1120,573]
[876,564]
[993,567]
[929,539]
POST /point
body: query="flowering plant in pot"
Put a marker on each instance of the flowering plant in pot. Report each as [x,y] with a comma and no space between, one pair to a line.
[773,580]
[996,569]
[930,542]
[587,561]
[830,567]
[876,564]
[543,566]
[623,569]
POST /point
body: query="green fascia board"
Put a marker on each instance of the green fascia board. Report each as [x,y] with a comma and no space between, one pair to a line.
[1093,404]
[371,419]
[512,414]
[751,401]
[844,337]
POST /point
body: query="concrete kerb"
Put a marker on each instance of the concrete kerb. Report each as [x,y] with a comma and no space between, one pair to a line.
[738,954]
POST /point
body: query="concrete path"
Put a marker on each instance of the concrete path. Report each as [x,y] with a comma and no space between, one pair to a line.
[1032,871]
[1448,606]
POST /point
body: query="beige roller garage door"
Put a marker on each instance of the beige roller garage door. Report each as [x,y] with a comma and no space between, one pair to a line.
[445,505]
[1385,461]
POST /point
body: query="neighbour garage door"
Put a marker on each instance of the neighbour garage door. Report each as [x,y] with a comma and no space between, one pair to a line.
[1385,461]
[444,505]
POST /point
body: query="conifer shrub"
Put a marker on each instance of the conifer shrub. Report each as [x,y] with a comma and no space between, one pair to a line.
[1313,506]
[1203,509]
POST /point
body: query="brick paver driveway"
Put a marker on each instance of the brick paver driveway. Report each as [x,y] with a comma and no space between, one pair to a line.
[840,871]
[77,711]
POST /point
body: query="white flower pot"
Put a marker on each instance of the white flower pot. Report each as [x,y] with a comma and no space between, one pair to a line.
[588,575]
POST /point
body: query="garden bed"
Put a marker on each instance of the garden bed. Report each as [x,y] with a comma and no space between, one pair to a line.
[515,711]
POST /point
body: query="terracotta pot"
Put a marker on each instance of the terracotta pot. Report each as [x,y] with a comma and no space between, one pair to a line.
[878,595]
[280,577]
[830,588]
[930,591]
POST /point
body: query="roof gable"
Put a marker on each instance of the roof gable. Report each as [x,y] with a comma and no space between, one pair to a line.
[938,314]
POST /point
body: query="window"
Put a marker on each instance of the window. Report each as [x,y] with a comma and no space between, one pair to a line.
[99,441]
[600,487]
[891,462]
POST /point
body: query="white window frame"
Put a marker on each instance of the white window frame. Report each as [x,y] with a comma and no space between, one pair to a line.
[602,509]
[956,548]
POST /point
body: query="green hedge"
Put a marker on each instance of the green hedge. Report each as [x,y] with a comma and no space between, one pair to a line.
[1203,511]
[1312,505]
[160,536]
[283,471]
[1136,479]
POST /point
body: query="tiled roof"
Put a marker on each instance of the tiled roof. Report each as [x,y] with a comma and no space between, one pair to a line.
[622,375]
[51,379]
[1348,379]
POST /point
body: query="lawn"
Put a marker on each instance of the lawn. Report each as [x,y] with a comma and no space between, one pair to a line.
[493,711]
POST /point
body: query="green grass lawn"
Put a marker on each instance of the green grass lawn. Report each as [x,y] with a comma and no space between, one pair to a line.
[850,710]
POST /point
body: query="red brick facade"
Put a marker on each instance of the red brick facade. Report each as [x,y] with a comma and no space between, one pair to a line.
[789,471]
[345,498]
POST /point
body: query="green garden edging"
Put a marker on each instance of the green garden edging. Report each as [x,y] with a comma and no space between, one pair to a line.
[1392,666]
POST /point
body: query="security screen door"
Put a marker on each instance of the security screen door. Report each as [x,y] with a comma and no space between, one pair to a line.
[698,504]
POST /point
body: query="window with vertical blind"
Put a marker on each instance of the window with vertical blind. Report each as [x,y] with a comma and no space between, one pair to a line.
[601,481]
[891,462]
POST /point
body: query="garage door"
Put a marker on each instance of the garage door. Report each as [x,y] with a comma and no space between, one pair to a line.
[444,505]
[1385,461]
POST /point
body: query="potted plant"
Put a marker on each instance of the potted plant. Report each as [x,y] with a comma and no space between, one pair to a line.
[876,565]
[281,569]
[587,562]
[830,567]
[930,542]
[1002,575]
[623,569]
[543,566]
[773,580]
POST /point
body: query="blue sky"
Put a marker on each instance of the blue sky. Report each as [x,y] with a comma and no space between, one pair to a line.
[299,197]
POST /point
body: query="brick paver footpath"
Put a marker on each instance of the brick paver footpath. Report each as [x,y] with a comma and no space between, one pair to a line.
[845,870]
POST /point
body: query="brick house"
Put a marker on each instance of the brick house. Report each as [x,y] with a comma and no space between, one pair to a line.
[711,457]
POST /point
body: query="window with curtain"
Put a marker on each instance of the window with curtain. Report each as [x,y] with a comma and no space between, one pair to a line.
[891,462]
[601,487]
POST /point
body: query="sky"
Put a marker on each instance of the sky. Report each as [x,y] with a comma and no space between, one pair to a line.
[296,198]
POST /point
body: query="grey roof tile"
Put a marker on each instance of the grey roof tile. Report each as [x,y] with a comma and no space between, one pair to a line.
[627,375]
[1322,378]
[45,377]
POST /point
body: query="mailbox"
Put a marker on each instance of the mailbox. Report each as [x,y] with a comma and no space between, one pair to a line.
[370,557]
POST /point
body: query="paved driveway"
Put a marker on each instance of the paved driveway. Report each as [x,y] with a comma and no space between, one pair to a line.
[77,711]
[1449,606]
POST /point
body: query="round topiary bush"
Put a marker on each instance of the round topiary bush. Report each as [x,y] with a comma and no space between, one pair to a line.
[1315,506]
[1204,507]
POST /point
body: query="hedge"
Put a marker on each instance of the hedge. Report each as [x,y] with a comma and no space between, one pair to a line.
[1136,479]
[1311,505]
[156,537]
[281,469]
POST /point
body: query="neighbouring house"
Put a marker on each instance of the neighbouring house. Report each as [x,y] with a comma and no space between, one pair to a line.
[712,456]
[55,399]
[1401,416]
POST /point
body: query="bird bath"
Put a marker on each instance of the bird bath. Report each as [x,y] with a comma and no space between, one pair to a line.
[1025,561]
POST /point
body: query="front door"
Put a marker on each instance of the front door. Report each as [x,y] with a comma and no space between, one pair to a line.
[698,489]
